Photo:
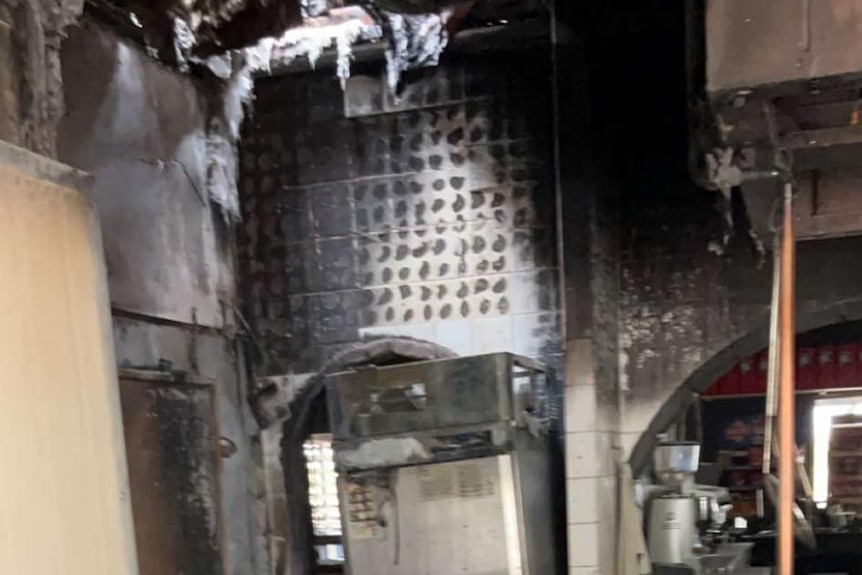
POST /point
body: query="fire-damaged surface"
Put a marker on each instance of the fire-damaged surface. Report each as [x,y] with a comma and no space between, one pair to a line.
[794,109]
[179,32]
[425,217]
[31,81]
[793,40]
[171,446]
[143,132]
[687,316]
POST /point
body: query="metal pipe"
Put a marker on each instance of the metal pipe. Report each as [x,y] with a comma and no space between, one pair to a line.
[787,392]
[772,373]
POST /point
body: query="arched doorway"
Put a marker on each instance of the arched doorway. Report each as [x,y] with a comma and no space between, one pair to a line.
[306,409]
[747,344]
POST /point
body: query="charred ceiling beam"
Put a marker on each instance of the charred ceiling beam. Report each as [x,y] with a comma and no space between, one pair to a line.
[512,36]
[409,34]
[168,27]
[175,30]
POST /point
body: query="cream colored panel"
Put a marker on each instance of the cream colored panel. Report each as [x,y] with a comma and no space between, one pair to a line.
[441,519]
[64,505]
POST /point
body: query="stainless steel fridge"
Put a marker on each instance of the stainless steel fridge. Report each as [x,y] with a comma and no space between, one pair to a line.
[447,467]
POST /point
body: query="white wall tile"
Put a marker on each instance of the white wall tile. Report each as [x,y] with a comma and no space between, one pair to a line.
[573,570]
[584,545]
[580,408]
[606,498]
[455,335]
[607,550]
[627,441]
[582,504]
[524,292]
[581,457]
[605,455]
[491,335]
[579,362]
[533,331]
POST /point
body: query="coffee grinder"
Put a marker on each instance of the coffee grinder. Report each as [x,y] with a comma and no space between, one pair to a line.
[673,515]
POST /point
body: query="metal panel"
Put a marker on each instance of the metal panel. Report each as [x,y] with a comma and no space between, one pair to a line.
[422,396]
[171,441]
[63,490]
[750,43]
[538,489]
[828,205]
[441,519]
[140,129]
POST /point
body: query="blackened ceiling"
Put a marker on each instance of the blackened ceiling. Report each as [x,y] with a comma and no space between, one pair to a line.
[204,28]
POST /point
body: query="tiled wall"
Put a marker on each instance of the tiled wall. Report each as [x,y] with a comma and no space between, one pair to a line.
[430,217]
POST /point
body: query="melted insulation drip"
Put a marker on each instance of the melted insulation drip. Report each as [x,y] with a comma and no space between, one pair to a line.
[38,27]
[313,8]
[184,41]
[223,134]
[310,43]
[414,42]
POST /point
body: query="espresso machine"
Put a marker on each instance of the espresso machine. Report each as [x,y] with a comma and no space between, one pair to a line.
[672,525]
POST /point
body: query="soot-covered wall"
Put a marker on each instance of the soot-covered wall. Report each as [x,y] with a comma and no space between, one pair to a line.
[685,314]
[140,130]
[430,217]
[688,315]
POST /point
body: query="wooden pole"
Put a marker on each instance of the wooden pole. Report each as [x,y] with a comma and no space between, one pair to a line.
[786,394]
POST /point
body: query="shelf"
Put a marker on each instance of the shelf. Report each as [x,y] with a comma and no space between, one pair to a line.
[734,452]
[827,391]
[844,477]
[845,453]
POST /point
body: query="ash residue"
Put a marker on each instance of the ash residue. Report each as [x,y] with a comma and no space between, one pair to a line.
[37,32]
[189,472]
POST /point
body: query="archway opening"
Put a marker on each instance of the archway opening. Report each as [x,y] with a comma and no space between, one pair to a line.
[309,550]
[724,411]
[825,319]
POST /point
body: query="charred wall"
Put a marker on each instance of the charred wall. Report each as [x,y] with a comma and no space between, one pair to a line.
[688,315]
[430,217]
[140,130]
[31,83]
[685,313]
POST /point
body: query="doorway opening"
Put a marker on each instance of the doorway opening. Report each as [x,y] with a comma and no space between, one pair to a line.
[313,545]
[323,499]
[837,465]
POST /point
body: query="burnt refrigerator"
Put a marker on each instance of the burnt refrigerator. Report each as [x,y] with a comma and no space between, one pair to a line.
[447,467]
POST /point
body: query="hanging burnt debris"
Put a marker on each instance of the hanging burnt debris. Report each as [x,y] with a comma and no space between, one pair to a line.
[411,33]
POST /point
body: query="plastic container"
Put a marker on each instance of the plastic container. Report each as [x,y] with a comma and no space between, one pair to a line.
[748,375]
[827,366]
[806,368]
[846,369]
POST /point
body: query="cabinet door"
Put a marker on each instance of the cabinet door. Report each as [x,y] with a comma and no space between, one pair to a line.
[172,448]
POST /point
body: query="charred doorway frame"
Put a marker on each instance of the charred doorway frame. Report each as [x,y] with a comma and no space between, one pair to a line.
[747,344]
[379,351]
